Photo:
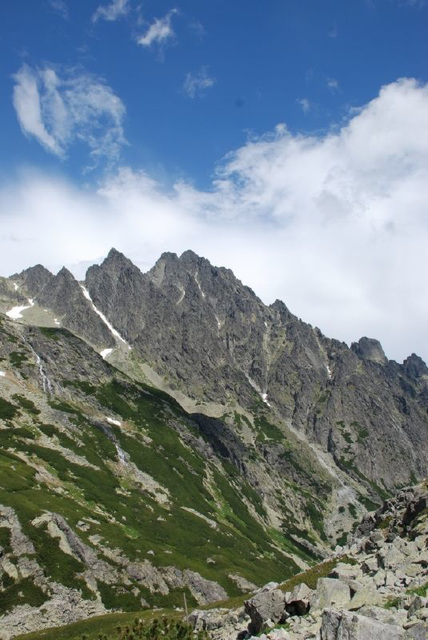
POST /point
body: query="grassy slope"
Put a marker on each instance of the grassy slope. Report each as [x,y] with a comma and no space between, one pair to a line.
[118,510]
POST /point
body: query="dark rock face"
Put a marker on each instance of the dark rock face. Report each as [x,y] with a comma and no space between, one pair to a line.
[369,349]
[64,296]
[33,279]
[215,340]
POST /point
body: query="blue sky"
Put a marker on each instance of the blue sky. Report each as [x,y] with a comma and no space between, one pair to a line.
[286,139]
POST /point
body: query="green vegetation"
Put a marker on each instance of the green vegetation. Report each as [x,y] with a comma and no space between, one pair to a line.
[60,566]
[145,625]
[311,576]
[384,524]
[5,539]
[419,591]
[352,510]
[22,592]
[50,332]
[7,410]
[18,358]
[267,431]
[26,404]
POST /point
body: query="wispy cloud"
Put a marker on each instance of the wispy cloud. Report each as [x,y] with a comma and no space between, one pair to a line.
[60,106]
[196,84]
[160,32]
[111,12]
[60,7]
[333,84]
[305,104]
[197,28]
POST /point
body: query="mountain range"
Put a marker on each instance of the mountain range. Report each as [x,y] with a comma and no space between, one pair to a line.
[167,432]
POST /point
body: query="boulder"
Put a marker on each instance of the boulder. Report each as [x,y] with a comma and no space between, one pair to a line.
[417,632]
[343,625]
[368,595]
[387,616]
[346,572]
[265,609]
[330,592]
[298,602]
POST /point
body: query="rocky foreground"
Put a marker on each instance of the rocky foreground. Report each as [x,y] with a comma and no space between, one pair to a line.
[375,588]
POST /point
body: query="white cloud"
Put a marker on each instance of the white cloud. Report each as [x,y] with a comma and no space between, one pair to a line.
[195,84]
[111,12]
[305,104]
[198,29]
[159,32]
[334,225]
[60,7]
[59,107]
[332,84]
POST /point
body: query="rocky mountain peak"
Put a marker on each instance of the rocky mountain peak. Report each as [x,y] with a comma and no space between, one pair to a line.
[189,257]
[281,309]
[415,366]
[65,274]
[33,279]
[116,256]
[369,349]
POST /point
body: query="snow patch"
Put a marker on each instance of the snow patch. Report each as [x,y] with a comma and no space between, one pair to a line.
[181,298]
[15,286]
[116,423]
[112,330]
[16,312]
[105,353]
[57,322]
[264,397]
[329,371]
[2,374]
[219,322]
[262,394]
[199,284]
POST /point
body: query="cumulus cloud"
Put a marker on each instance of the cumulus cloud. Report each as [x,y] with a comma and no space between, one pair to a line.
[334,225]
[62,106]
[196,84]
[111,12]
[160,32]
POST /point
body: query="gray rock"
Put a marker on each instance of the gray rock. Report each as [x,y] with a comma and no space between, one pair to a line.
[330,592]
[298,602]
[265,609]
[418,632]
[368,595]
[342,625]
[387,616]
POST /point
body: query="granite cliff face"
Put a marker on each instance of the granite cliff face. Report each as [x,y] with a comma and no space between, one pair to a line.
[215,341]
